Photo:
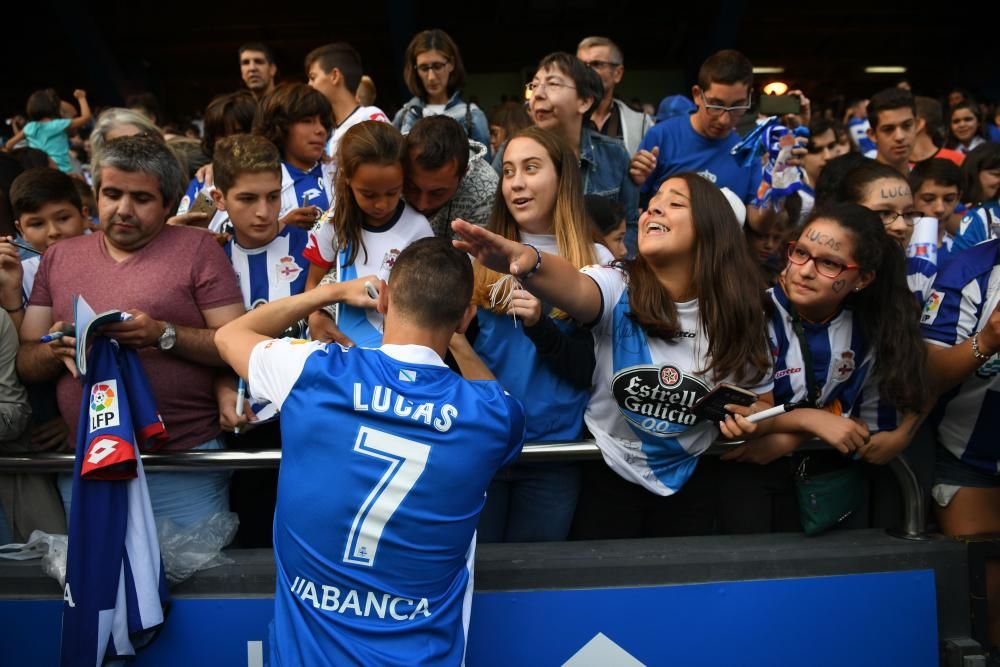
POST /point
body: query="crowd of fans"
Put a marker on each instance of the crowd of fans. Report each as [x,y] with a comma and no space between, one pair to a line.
[840,259]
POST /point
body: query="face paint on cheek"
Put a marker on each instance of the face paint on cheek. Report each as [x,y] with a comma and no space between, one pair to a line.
[838,286]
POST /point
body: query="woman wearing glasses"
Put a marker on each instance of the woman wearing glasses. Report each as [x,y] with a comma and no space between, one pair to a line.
[843,329]
[434,73]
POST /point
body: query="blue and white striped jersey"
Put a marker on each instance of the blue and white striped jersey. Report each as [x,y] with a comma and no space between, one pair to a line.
[977,225]
[965,294]
[386,458]
[273,271]
[306,188]
[858,129]
[641,408]
[841,359]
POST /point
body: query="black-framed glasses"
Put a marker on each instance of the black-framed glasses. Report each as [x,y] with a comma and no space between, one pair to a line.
[431,67]
[600,64]
[715,110]
[546,85]
[830,268]
[889,217]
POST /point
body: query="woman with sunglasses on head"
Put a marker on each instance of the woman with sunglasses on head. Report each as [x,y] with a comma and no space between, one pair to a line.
[668,326]
[434,73]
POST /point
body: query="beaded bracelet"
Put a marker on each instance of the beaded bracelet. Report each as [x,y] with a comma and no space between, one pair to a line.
[975,348]
[534,269]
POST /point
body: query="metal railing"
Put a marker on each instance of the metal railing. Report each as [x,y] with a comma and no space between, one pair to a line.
[913,519]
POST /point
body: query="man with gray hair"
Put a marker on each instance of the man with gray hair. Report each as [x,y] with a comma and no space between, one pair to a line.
[612,117]
[177,287]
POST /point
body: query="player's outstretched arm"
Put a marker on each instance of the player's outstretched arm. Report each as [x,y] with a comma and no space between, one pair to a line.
[237,339]
[555,281]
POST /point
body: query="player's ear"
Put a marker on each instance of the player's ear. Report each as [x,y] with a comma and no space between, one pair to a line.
[383,297]
[463,324]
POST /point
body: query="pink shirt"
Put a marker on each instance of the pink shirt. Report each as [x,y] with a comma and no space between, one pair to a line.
[173,278]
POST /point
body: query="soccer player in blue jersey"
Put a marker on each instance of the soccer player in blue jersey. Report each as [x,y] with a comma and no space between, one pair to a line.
[387,457]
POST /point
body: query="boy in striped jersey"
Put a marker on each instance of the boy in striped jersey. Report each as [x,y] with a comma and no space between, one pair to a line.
[267,258]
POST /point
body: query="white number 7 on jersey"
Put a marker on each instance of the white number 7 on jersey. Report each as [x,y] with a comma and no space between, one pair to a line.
[407,460]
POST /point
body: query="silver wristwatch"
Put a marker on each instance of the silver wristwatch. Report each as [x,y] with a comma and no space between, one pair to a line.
[167,338]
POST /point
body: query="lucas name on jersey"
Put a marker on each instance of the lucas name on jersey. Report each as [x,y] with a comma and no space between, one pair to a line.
[328,598]
[383,400]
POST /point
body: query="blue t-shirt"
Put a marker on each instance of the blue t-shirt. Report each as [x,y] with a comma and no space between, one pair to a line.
[682,149]
[50,136]
[965,294]
[386,458]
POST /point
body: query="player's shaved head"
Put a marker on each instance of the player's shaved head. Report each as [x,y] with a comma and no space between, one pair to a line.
[431,283]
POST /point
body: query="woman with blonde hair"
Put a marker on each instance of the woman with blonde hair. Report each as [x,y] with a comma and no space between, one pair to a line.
[538,354]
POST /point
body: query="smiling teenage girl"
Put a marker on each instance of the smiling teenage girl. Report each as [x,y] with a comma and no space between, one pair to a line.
[539,203]
[668,326]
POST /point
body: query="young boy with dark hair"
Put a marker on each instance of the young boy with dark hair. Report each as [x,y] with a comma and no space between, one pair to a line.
[936,185]
[47,209]
[269,265]
[335,70]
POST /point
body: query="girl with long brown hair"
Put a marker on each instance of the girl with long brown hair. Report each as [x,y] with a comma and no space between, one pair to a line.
[681,318]
[365,230]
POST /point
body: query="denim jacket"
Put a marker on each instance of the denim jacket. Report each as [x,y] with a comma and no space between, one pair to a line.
[469,116]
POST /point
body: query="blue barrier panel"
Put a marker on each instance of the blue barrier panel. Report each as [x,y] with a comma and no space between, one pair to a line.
[859,619]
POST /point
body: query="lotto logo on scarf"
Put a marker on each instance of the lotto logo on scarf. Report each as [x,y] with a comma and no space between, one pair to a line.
[104,405]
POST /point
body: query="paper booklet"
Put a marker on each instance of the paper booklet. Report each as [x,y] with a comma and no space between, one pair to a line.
[86,323]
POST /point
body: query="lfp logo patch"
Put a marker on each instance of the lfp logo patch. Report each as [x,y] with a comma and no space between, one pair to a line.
[104,405]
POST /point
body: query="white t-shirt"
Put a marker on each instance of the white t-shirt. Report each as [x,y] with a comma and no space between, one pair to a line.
[359,115]
[640,411]
[382,246]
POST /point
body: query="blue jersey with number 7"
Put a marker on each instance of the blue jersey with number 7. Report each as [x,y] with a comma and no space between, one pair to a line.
[386,457]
